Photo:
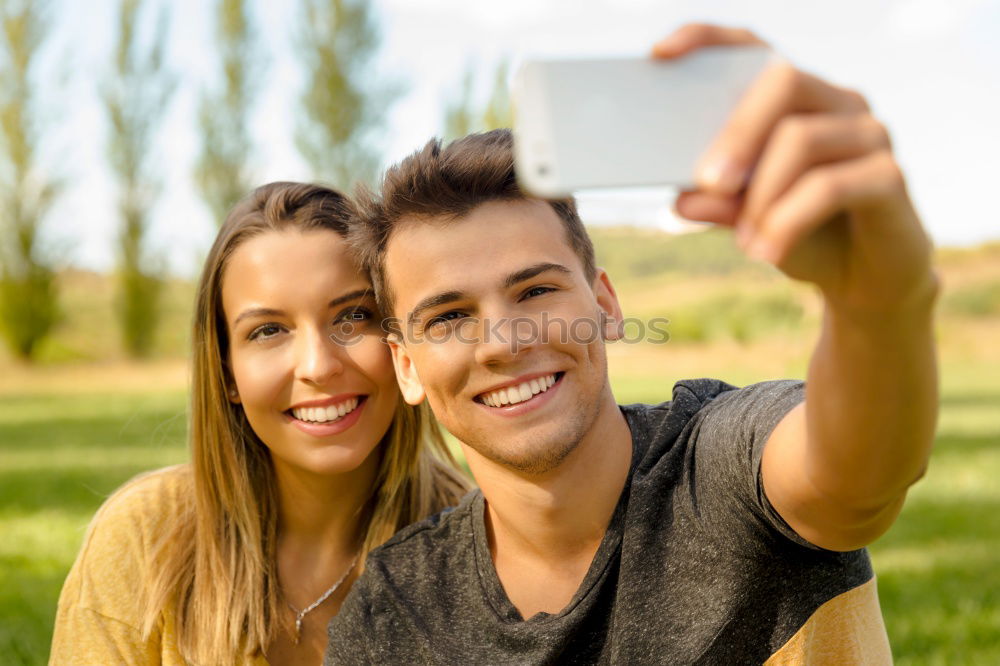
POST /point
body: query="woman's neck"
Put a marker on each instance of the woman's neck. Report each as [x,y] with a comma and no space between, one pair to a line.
[321,512]
[321,526]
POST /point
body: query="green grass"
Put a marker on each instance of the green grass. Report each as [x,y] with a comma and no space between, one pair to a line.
[62,453]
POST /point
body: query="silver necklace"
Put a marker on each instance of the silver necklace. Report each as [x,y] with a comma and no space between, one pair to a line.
[300,614]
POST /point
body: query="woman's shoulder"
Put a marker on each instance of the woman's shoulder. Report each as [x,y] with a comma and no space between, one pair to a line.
[149,498]
[114,560]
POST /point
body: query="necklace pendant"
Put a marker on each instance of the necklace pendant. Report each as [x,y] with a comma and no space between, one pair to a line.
[298,629]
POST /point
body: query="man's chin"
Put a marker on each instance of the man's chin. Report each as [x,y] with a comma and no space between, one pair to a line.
[530,457]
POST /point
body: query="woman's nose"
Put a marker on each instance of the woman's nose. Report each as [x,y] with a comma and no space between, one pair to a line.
[318,358]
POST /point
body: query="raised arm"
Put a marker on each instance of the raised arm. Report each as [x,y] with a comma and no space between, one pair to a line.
[806,177]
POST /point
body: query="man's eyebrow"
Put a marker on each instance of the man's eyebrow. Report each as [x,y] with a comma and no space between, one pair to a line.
[271,312]
[432,302]
[532,271]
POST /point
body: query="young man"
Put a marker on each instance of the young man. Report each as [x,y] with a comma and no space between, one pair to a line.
[727,525]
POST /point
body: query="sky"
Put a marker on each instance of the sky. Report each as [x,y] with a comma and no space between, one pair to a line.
[928,68]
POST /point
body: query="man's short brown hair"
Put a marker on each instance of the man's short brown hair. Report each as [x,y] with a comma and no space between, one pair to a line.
[448,182]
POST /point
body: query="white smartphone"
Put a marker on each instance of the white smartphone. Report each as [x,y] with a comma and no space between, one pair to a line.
[624,122]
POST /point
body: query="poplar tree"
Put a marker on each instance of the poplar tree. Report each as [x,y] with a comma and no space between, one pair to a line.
[465,115]
[223,173]
[28,298]
[135,100]
[343,103]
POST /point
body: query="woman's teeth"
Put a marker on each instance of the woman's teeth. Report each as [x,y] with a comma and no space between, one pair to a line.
[512,395]
[324,414]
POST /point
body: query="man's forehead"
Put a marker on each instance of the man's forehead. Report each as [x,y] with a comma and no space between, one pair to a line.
[431,254]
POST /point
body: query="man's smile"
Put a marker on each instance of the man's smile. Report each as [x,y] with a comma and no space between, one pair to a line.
[524,389]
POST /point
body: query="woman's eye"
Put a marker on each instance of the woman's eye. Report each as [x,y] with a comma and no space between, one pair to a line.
[264,331]
[356,315]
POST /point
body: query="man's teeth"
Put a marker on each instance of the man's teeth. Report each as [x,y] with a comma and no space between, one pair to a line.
[324,414]
[512,395]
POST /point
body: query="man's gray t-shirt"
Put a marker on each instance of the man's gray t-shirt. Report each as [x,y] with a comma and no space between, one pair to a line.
[695,567]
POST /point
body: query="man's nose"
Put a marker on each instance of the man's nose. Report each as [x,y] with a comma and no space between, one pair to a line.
[503,337]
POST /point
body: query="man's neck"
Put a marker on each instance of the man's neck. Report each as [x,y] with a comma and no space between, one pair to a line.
[551,524]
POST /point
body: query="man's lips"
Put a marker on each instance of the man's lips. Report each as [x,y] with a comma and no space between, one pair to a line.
[519,390]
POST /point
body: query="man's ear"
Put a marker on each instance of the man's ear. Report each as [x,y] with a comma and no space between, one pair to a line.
[406,373]
[612,320]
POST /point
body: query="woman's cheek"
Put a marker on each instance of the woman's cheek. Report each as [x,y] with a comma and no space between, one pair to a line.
[259,373]
[373,359]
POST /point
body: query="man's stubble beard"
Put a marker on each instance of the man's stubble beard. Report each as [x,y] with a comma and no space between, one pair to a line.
[539,454]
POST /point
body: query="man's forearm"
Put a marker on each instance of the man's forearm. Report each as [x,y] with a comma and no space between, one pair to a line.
[871,404]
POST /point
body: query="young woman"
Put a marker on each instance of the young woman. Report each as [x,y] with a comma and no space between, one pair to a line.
[304,458]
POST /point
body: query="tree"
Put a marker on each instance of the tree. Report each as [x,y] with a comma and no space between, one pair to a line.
[464,115]
[460,114]
[135,99]
[28,298]
[342,101]
[222,171]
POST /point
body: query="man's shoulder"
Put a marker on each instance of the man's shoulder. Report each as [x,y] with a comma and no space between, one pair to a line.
[690,396]
[430,543]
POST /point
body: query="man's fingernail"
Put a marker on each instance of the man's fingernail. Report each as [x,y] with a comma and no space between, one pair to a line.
[722,175]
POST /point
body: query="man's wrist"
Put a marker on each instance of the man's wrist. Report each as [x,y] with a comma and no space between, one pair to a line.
[914,306]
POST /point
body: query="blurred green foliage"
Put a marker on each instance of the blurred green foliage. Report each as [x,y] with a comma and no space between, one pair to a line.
[135,99]
[465,114]
[980,299]
[343,102]
[628,253]
[734,315]
[222,171]
[28,299]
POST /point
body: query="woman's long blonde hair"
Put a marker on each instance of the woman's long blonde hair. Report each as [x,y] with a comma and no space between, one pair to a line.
[215,568]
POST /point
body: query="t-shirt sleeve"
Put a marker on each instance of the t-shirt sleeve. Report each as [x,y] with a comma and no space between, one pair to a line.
[84,636]
[727,438]
[98,617]
[349,632]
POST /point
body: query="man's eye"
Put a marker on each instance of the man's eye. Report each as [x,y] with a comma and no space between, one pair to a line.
[264,331]
[444,317]
[537,291]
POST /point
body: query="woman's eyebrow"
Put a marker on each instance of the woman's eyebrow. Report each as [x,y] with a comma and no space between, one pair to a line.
[354,295]
[271,312]
[257,312]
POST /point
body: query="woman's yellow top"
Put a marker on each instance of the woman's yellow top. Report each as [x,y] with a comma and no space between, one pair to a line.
[98,619]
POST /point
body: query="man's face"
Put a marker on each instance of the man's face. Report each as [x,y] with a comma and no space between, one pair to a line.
[502,331]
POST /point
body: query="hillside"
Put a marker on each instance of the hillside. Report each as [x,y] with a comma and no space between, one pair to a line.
[700,282]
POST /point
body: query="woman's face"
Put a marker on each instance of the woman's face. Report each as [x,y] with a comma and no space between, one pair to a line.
[320,404]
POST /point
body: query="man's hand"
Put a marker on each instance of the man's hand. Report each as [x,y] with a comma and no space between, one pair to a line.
[806,176]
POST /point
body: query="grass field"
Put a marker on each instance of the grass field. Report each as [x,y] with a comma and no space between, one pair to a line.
[72,432]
